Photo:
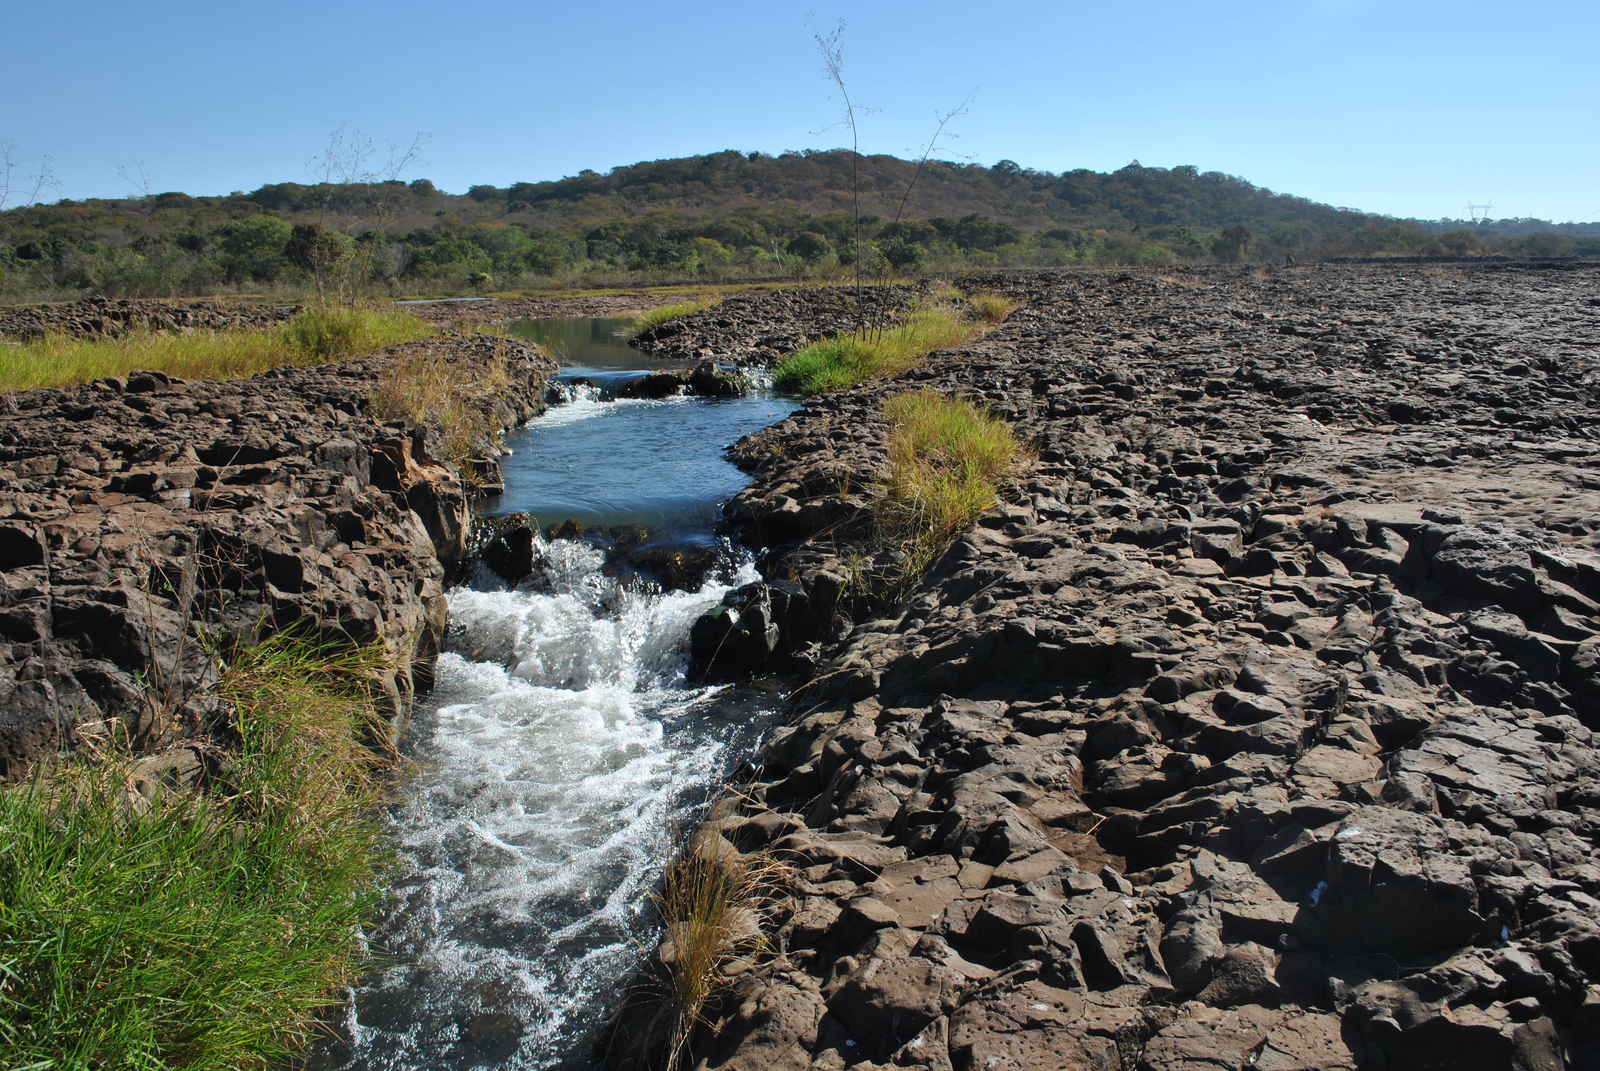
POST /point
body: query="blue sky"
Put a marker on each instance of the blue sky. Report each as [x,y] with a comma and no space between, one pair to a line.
[1407,107]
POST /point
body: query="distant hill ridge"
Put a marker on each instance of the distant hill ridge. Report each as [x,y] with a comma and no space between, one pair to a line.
[717,215]
[820,183]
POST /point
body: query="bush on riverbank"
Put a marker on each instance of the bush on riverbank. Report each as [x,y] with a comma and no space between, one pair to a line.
[946,460]
[313,336]
[846,359]
[197,929]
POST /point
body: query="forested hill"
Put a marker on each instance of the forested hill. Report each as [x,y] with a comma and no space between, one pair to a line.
[821,183]
[721,215]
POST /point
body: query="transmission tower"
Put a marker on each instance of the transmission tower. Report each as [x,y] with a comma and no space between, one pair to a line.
[1478,213]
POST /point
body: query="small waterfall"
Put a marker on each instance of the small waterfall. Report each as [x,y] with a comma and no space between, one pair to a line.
[570,391]
[561,754]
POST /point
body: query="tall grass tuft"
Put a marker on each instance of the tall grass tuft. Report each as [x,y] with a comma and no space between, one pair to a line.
[314,336]
[641,322]
[713,901]
[197,929]
[847,359]
[428,389]
[990,308]
[946,460]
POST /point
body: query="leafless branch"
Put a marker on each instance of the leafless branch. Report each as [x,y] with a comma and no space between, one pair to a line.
[12,183]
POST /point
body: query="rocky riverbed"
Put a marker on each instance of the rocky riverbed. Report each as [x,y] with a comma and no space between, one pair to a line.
[98,316]
[766,326]
[138,509]
[1254,728]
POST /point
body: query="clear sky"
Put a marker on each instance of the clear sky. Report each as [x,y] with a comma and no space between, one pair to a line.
[1406,107]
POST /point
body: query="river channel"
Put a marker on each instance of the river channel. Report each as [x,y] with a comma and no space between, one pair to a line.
[562,753]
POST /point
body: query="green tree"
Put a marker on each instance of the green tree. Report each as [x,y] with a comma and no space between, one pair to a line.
[809,246]
[1232,243]
[320,252]
[253,248]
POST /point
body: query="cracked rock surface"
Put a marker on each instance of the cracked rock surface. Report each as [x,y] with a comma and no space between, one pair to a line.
[766,326]
[138,510]
[1254,728]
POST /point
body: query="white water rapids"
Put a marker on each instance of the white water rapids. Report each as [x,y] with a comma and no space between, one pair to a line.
[561,754]
[561,751]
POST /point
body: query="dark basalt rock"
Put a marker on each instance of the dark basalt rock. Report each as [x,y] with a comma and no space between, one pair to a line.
[1254,727]
[672,566]
[513,553]
[138,510]
[654,385]
[709,381]
[102,316]
[763,328]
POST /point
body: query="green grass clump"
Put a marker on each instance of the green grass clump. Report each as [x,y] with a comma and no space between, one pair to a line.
[990,308]
[946,460]
[641,322]
[313,336]
[844,360]
[197,929]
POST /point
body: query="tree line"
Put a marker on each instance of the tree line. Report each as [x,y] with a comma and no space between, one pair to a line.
[716,216]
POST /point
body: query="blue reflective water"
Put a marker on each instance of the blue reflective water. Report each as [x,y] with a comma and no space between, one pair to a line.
[659,464]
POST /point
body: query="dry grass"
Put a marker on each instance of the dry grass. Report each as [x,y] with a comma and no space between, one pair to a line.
[713,903]
[990,308]
[314,336]
[428,389]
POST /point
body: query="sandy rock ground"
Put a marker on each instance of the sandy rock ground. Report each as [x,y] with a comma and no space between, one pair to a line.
[1255,728]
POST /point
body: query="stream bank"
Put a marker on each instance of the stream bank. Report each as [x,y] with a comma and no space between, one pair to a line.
[132,508]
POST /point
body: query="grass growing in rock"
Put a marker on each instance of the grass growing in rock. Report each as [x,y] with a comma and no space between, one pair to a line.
[197,928]
[712,905]
[314,336]
[428,389]
[641,322]
[847,359]
[946,460]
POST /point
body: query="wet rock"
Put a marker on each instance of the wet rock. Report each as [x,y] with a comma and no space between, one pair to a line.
[654,385]
[513,553]
[709,381]
[737,639]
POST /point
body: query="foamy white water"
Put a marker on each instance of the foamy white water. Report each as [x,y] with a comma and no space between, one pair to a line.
[562,751]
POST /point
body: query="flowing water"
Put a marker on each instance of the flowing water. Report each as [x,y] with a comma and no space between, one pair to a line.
[562,751]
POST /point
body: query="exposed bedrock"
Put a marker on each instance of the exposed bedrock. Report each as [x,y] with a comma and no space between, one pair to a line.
[107,316]
[1255,728]
[138,512]
[766,326]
